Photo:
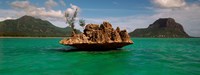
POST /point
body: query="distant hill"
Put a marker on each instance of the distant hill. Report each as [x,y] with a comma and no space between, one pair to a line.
[28,26]
[162,28]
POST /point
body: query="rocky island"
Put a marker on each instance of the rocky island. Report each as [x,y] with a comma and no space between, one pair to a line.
[162,28]
[99,37]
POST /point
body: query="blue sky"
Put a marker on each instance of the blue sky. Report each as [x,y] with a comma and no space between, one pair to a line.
[111,8]
[127,14]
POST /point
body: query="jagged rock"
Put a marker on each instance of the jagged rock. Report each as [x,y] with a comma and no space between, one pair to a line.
[106,25]
[118,29]
[124,35]
[91,27]
[99,37]
[116,37]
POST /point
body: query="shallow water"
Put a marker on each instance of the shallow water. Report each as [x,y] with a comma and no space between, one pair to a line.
[147,56]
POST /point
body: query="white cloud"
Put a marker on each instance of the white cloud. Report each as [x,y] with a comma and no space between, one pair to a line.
[170,3]
[26,8]
[5,18]
[59,23]
[72,10]
[62,3]
[21,5]
[50,3]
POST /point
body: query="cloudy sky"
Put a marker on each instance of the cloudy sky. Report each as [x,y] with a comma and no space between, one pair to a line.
[127,14]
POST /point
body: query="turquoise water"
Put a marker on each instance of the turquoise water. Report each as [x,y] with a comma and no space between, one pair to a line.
[45,56]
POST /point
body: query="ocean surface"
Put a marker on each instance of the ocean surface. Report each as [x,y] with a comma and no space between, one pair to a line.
[147,56]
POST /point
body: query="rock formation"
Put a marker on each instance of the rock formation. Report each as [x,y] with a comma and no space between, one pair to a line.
[99,37]
[162,28]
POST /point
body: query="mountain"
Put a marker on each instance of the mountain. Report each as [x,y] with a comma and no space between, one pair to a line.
[162,28]
[28,26]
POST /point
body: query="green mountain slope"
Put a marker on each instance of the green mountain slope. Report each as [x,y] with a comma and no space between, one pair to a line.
[161,28]
[28,26]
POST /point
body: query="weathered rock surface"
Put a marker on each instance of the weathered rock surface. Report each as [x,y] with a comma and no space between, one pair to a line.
[99,37]
[162,28]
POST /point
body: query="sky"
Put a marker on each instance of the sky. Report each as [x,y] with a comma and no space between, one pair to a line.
[127,14]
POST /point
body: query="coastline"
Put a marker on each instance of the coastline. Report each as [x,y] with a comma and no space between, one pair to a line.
[33,37]
[68,37]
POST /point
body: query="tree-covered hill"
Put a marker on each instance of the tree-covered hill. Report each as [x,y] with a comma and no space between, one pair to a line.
[28,26]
